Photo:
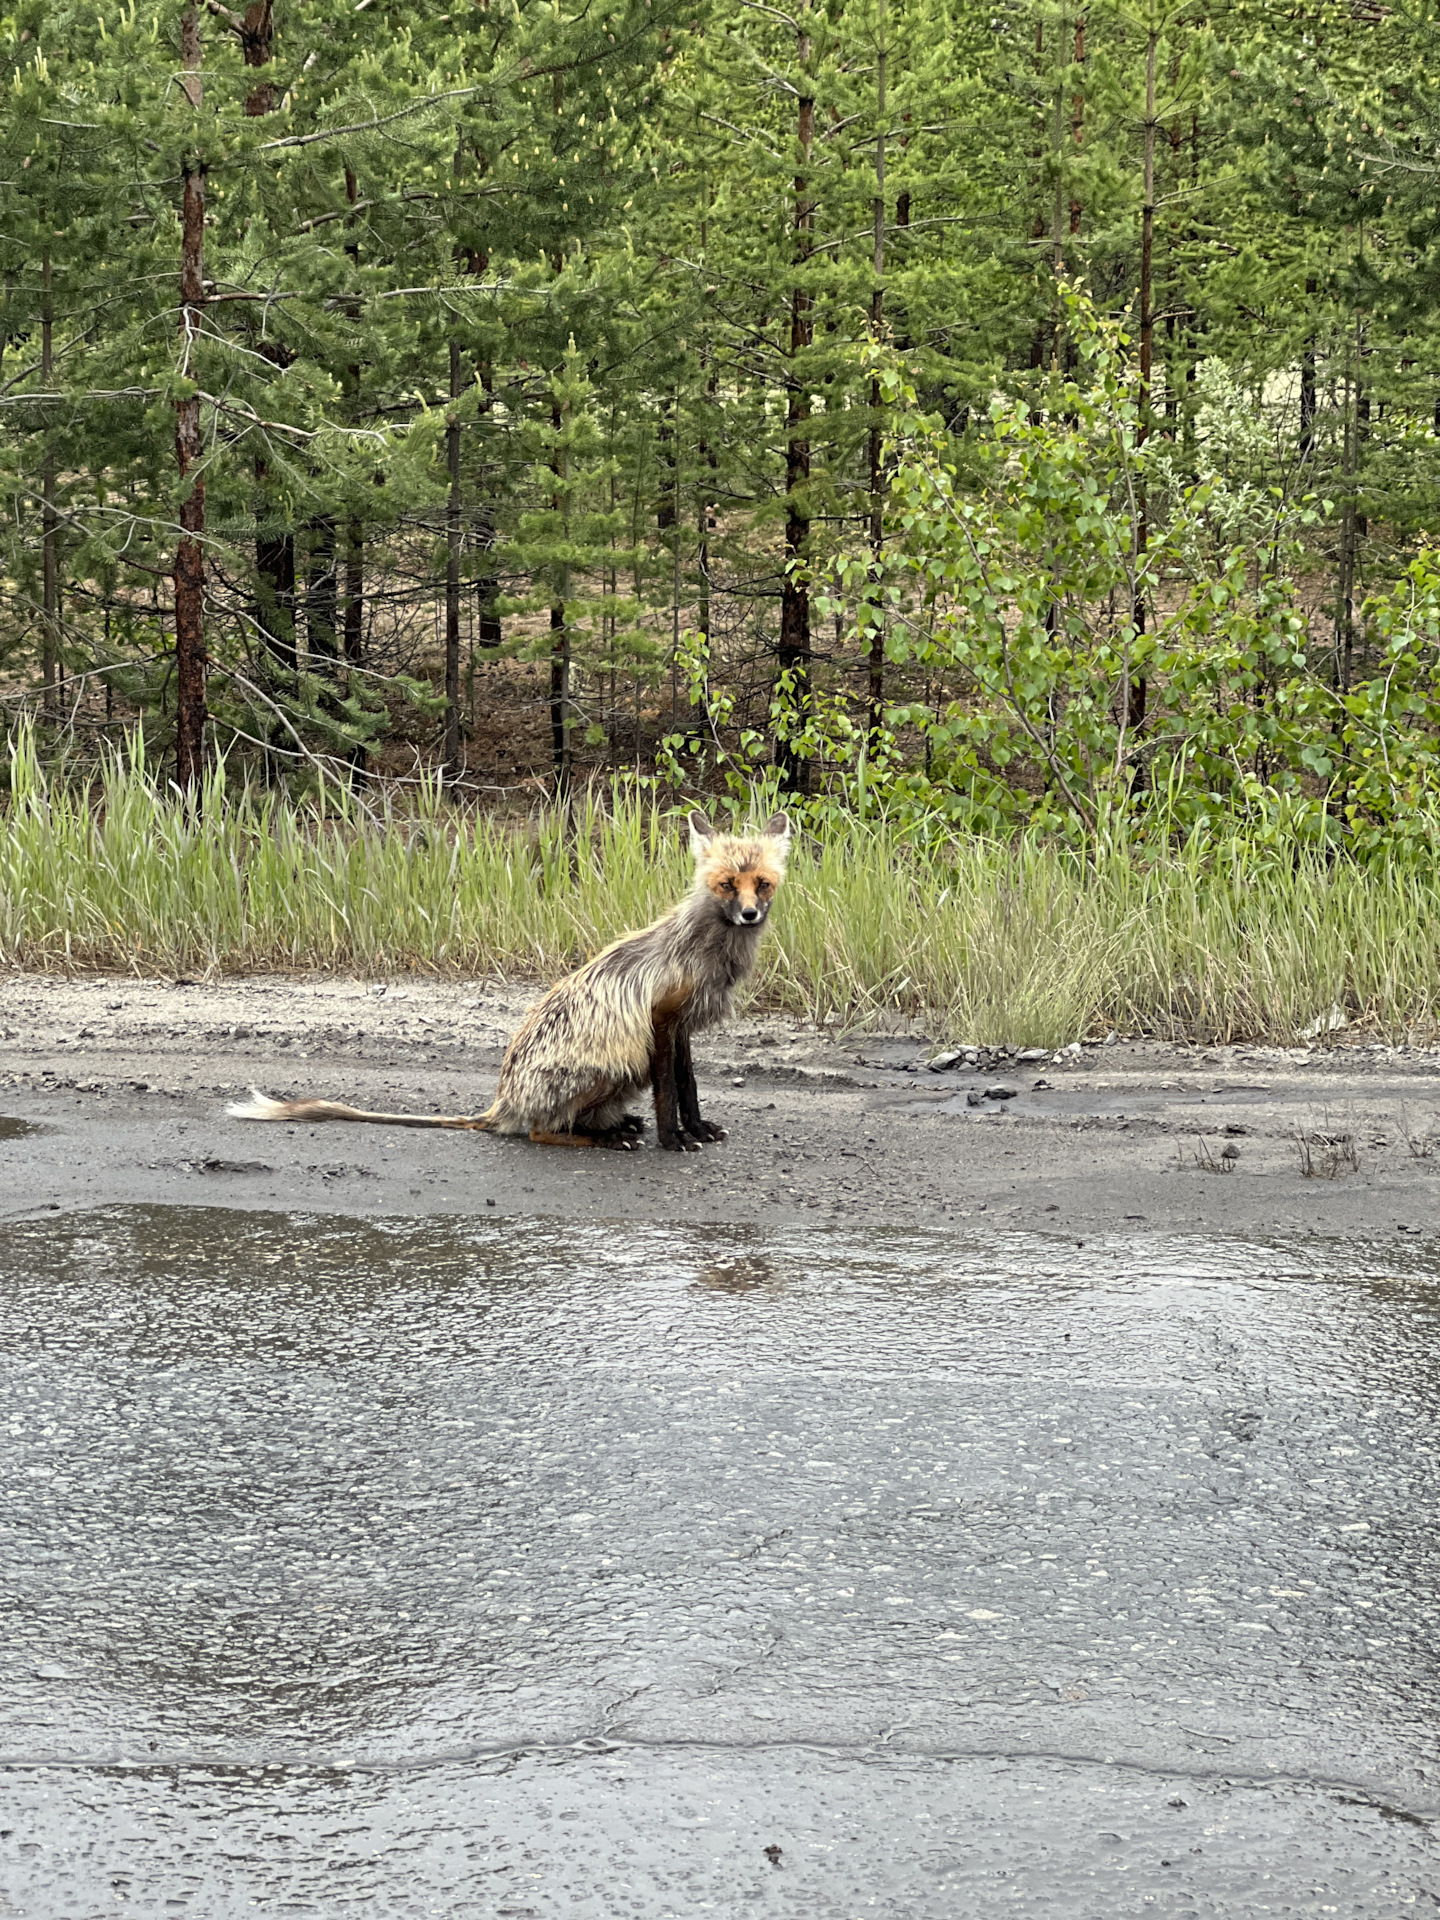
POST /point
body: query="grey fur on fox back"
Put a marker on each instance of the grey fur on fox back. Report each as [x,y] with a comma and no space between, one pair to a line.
[624,1020]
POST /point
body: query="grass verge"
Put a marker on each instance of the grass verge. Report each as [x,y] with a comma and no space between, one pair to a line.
[1019,941]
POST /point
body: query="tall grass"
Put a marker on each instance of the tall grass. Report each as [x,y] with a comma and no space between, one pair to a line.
[1019,941]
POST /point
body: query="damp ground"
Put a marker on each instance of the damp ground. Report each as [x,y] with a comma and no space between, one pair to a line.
[128,1080]
[521,1566]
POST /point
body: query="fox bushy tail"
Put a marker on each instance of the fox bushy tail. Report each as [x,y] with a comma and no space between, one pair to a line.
[261,1107]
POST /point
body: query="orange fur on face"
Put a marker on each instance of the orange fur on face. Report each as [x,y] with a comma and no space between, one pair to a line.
[752,886]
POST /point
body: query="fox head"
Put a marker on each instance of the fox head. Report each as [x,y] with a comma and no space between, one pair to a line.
[740,872]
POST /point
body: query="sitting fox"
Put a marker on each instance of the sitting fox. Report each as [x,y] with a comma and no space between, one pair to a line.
[586,1049]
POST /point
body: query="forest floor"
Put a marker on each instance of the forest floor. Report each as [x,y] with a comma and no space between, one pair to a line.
[113,1090]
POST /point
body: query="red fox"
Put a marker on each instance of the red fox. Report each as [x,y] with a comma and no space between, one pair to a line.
[588,1047]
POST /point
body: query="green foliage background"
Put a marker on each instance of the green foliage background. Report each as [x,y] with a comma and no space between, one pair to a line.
[579,338]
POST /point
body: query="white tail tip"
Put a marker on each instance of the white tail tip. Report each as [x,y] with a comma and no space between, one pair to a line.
[258,1107]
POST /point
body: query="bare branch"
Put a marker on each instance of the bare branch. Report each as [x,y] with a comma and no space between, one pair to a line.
[232,20]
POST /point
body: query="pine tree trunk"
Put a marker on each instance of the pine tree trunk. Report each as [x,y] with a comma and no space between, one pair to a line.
[1138,689]
[1307,387]
[1077,121]
[274,551]
[257,45]
[560,698]
[50,521]
[1349,529]
[275,611]
[560,643]
[354,641]
[877,321]
[355,594]
[189,574]
[322,598]
[487,586]
[452,574]
[795,650]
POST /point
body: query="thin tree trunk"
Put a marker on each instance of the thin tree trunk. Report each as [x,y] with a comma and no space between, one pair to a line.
[877,321]
[675,549]
[560,640]
[1307,386]
[1138,688]
[275,609]
[355,594]
[667,508]
[189,574]
[50,520]
[1349,529]
[1057,210]
[452,573]
[322,598]
[354,616]
[257,45]
[707,461]
[705,508]
[1147,237]
[560,695]
[487,587]
[274,550]
[1077,120]
[795,649]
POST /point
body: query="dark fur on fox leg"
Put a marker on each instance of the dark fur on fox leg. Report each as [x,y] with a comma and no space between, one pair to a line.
[688,1094]
[669,1132]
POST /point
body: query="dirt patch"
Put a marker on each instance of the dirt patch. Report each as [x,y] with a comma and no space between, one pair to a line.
[129,1078]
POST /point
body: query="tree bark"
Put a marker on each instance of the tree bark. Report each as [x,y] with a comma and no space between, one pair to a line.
[877,321]
[1138,688]
[452,573]
[1077,120]
[189,573]
[795,648]
[1147,237]
[354,617]
[322,598]
[257,44]
[355,594]
[50,520]
[1349,527]
[487,586]
[560,639]
[275,610]
[274,551]
[1307,387]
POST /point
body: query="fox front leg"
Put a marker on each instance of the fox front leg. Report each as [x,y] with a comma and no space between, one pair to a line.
[669,1133]
[688,1093]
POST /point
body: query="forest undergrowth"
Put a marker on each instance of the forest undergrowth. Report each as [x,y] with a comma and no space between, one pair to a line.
[1024,939]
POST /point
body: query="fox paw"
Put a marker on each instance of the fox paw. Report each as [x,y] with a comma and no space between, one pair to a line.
[680,1143]
[708,1131]
[632,1123]
[618,1141]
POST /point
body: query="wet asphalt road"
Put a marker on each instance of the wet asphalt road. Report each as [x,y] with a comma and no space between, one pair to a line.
[526,1568]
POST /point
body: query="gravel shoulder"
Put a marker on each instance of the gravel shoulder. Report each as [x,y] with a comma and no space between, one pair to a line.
[114,1090]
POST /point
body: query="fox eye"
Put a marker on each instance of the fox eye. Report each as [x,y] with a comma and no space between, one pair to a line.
[763,886]
[727,886]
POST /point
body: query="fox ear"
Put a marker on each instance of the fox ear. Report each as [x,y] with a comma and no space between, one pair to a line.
[701,834]
[777,827]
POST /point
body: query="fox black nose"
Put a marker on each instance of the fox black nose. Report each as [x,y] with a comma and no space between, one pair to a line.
[750,915]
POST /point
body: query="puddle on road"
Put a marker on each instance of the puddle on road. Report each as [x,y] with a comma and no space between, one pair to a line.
[467,1566]
[11,1129]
